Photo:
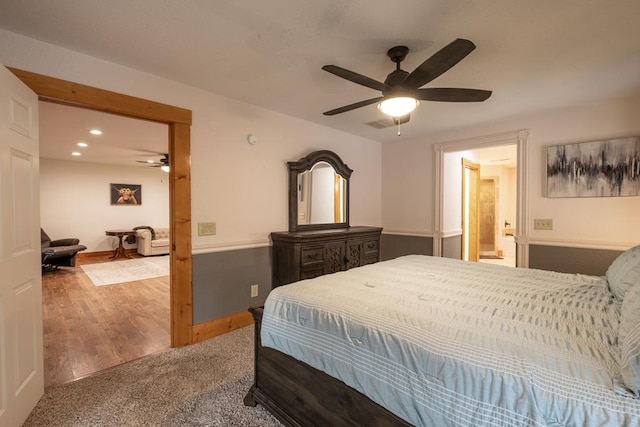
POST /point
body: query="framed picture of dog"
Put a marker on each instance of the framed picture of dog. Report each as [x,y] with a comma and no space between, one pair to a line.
[126,194]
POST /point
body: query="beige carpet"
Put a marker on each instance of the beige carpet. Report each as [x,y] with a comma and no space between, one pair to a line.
[121,271]
[199,385]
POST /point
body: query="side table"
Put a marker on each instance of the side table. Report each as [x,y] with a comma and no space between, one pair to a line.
[119,252]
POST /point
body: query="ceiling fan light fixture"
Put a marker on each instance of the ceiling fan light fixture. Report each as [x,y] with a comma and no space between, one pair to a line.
[165,168]
[399,106]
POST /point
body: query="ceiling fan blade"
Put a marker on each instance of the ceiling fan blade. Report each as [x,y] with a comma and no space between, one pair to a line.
[353,106]
[355,77]
[438,63]
[446,94]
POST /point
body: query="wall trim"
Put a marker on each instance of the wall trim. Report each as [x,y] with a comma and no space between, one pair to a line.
[451,233]
[408,233]
[87,256]
[229,246]
[215,327]
[583,244]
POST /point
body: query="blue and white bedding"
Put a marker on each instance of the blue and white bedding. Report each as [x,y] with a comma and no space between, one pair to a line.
[443,342]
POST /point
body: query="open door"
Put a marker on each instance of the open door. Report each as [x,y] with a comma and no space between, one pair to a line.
[21,361]
[470,208]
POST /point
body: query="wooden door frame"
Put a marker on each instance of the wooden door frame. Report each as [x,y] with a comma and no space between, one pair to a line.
[179,122]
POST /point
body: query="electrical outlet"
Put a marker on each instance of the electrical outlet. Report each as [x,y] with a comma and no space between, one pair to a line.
[206,229]
[543,224]
[254,291]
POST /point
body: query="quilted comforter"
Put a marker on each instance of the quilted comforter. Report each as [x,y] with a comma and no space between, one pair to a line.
[442,342]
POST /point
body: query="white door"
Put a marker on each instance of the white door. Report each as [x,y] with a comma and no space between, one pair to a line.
[21,360]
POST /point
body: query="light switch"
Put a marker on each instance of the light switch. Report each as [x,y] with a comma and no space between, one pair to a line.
[206,229]
[543,224]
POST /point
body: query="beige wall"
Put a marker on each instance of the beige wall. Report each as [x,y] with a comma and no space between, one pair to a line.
[75,201]
[584,222]
[241,187]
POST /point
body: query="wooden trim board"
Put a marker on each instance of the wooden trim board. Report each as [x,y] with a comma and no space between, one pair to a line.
[215,327]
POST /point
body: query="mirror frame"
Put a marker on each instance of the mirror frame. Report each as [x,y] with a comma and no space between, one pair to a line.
[305,164]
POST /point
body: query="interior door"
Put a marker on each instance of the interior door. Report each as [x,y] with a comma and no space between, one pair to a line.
[470,203]
[21,360]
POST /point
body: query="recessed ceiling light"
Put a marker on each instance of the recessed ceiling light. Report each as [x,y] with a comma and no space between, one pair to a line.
[76,153]
[95,132]
[82,144]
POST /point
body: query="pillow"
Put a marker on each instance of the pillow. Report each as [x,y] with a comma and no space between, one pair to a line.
[624,272]
[629,340]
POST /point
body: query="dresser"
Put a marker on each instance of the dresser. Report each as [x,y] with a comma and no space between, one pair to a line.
[299,255]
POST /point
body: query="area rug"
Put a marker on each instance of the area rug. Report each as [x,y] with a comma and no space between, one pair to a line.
[112,272]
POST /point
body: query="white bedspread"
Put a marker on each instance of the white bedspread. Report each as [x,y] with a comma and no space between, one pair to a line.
[443,342]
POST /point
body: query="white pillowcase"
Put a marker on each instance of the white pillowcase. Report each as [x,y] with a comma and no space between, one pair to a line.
[624,272]
[629,340]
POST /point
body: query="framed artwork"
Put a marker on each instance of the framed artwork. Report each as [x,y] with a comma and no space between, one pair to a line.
[607,168]
[126,194]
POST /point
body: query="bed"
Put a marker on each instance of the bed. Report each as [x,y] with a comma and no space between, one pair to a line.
[427,341]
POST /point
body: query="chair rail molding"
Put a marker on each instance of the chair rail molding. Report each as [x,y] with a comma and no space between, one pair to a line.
[520,138]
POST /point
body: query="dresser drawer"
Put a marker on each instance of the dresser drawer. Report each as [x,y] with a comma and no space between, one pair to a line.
[310,273]
[311,255]
[371,248]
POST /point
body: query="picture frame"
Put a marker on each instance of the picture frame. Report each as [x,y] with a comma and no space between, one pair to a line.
[604,168]
[126,194]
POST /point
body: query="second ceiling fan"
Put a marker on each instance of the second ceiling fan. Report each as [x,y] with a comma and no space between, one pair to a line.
[163,163]
[401,91]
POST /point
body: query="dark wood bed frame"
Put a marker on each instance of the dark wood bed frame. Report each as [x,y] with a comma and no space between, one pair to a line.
[300,396]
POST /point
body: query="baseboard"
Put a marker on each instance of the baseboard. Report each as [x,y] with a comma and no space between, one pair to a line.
[213,328]
[84,256]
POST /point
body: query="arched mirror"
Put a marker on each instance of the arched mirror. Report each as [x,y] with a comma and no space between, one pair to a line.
[318,192]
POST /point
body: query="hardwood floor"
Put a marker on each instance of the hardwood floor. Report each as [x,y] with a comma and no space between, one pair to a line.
[89,328]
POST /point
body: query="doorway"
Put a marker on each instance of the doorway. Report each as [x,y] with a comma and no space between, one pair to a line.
[179,121]
[86,327]
[448,192]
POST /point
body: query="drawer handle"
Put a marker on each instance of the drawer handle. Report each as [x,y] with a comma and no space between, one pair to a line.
[313,256]
[371,245]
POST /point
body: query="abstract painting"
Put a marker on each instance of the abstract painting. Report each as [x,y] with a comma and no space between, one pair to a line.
[607,168]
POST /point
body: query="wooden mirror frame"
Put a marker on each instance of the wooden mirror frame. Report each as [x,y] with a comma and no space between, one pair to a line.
[305,164]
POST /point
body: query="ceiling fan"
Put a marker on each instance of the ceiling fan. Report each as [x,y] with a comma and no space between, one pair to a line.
[401,91]
[162,164]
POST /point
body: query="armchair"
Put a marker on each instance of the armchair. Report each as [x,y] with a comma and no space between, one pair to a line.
[58,253]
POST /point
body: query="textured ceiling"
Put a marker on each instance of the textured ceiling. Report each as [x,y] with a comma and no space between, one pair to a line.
[534,55]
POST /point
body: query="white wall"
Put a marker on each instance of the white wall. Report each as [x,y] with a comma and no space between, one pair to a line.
[583,222]
[75,201]
[241,187]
